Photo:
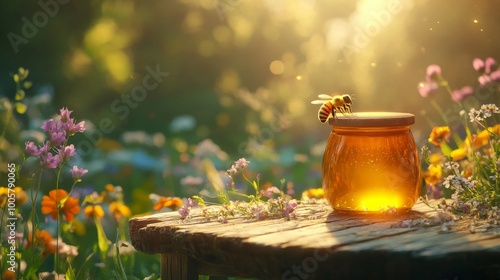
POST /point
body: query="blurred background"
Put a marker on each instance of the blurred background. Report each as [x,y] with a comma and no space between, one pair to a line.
[164,85]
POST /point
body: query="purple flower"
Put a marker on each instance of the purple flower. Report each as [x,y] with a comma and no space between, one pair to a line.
[433,73]
[57,137]
[72,128]
[66,152]
[190,202]
[184,212]
[269,192]
[49,161]
[65,114]
[290,206]
[32,149]
[77,173]
[459,94]
[426,88]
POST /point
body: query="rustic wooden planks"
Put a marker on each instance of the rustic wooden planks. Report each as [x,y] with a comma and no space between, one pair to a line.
[318,244]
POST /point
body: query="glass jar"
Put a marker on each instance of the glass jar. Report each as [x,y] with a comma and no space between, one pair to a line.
[371,163]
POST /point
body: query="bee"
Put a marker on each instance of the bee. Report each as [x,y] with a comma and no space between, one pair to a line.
[332,104]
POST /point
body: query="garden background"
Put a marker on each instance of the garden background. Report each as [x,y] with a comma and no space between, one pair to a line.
[170,90]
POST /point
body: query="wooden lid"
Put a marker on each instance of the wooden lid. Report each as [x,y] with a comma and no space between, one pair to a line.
[373,119]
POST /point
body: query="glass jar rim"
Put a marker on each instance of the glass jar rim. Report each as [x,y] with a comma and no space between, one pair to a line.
[372,119]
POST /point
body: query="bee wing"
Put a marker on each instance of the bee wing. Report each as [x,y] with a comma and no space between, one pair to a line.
[325,96]
[318,101]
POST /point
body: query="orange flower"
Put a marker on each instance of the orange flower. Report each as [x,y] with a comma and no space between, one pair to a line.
[478,140]
[439,134]
[9,275]
[119,209]
[43,238]
[51,203]
[495,129]
[92,211]
[170,202]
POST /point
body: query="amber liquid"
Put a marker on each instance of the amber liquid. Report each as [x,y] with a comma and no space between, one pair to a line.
[371,169]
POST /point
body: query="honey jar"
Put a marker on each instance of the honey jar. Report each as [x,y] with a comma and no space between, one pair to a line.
[371,163]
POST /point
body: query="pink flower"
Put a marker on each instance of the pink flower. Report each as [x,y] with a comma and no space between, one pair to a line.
[488,70]
[460,94]
[426,88]
[77,173]
[32,149]
[67,152]
[49,161]
[433,73]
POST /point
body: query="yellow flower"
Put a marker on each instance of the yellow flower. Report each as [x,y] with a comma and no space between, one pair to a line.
[170,202]
[21,196]
[458,154]
[92,211]
[439,134]
[478,140]
[433,174]
[51,202]
[118,209]
[313,193]
[436,158]
[495,129]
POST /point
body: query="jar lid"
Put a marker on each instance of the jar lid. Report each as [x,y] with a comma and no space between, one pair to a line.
[372,119]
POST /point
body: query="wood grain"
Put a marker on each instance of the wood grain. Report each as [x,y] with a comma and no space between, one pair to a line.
[320,244]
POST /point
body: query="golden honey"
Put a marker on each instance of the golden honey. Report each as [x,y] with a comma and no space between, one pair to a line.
[371,163]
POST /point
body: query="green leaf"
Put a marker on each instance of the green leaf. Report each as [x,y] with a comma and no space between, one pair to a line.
[118,261]
[70,273]
[102,240]
[21,108]
[445,149]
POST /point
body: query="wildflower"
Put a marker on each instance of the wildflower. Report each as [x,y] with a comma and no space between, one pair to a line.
[59,199]
[495,129]
[77,173]
[432,75]
[32,149]
[93,211]
[241,164]
[436,158]
[313,193]
[184,212]
[66,152]
[9,275]
[478,140]
[21,196]
[458,154]
[119,210]
[43,238]
[460,94]
[269,192]
[487,69]
[290,206]
[433,174]
[167,202]
[64,250]
[426,88]
[439,134]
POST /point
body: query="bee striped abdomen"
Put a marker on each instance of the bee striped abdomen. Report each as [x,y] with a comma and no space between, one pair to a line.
[325,111]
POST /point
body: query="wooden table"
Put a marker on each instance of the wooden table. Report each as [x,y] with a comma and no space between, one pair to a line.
[320,244]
